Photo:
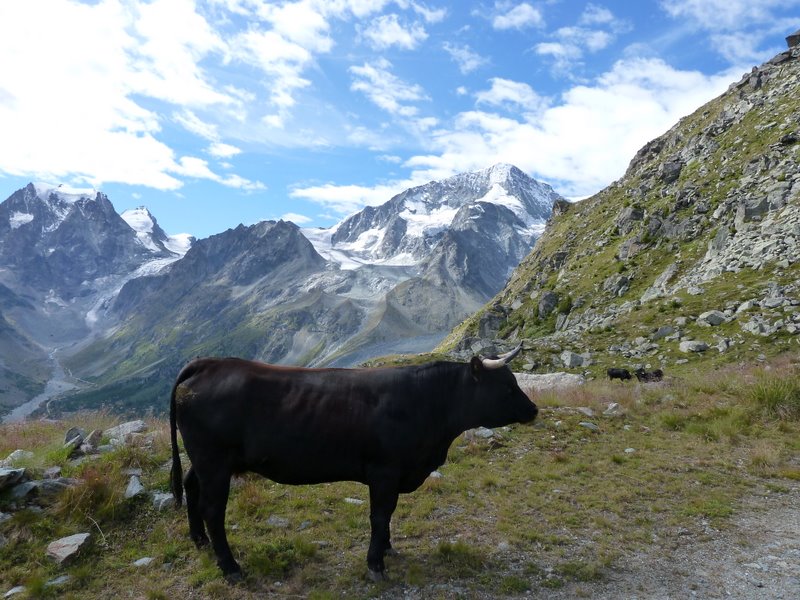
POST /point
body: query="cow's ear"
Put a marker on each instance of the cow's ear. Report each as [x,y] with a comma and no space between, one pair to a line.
[476,367]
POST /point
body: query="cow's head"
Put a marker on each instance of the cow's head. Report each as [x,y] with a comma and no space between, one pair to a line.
[499,399]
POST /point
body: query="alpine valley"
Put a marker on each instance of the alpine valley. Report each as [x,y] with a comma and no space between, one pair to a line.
[105,308]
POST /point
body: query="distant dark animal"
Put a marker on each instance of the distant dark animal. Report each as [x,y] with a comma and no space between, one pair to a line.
[649,376]
[388,428]
[621,374]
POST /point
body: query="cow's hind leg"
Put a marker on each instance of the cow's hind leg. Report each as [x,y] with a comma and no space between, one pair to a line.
[382,502]
[197,530]
[214,489]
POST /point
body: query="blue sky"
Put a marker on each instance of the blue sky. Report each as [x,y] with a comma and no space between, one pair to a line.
[219,112]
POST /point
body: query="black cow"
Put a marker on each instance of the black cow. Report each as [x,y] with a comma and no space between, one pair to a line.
[648,377]
[387,428]
[621,374]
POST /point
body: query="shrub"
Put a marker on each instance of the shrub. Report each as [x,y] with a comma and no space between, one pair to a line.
[776,396]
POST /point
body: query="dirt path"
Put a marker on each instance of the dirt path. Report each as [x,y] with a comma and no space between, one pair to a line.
[756,557]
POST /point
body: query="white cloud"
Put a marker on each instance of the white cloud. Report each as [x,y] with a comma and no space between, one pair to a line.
[385,89]
[347,199]
[725,14]
[595,14]
[221,150]
[387,31]
[465,57]
[579,144]
[197,168]
[296,218]
[506,91]
[520,16]
[192,123]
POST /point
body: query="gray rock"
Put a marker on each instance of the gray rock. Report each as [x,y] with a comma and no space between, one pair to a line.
[711,318]
[585,411]
[11,477]
[547,303]
[773,302]
[72,433]
[120,431]
[547,381]
[662,332]
[20,589]
[52,473]
[60,580]
[15,457]
[163,500]
[589,426]
[134,488]
[279,522]
[66,548]
[571,360]
[745,306]
[613,410]
[693,346]
[143,562]
[24,491]
[483,432]
[93,439]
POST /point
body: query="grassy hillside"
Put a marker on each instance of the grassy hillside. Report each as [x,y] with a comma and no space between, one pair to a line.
[554,508]
[707,217]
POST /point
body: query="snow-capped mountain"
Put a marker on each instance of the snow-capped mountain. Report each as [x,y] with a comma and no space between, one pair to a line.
[133,305]
[405,229]
[151,236]
[64,255]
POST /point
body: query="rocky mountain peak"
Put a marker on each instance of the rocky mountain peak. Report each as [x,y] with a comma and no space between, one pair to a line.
[406,228]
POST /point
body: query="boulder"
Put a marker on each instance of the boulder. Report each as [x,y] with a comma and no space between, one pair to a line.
[66,548]
[693,346]
[711,318]
[547,303]
[571,360]
[163,500]
[11,477]
[15,457]
[134,488]
[548,381]
[120,431]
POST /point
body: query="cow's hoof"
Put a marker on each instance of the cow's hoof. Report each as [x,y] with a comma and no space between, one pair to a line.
[200,541]
[376,576]
[234,578]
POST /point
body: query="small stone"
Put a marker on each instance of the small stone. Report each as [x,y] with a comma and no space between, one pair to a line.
[15,457]
[585,410]
[354,501]
[60,580]
[483,432]
[52,473]
[135,487]
[14,591]
[613,410]
[588,425]
[163,500]
[630,450]
[276,521]
[66,548]
[435,475]
[693,346]
[120,431]
[143,562]
[10,477]
[711,318]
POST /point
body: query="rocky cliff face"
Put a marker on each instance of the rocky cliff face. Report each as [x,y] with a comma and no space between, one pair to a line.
[691,257]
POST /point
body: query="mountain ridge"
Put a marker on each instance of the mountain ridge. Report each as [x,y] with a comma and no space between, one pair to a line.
[689,260]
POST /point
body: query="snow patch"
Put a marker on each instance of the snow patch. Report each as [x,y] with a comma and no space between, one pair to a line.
[179,243]
[18,219]
[65,193]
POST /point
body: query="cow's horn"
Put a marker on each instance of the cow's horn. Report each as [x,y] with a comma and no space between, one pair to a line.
[502,360]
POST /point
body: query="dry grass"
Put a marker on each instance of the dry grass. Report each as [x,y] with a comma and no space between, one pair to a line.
[538,507]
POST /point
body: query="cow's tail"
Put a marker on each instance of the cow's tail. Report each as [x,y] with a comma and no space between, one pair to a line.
[177,471]
[176,475]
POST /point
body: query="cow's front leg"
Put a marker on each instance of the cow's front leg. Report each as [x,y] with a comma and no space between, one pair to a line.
[382,502]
